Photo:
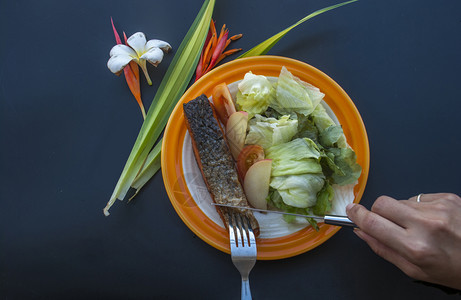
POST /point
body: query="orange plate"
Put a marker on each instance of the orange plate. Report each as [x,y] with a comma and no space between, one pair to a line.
[172,148]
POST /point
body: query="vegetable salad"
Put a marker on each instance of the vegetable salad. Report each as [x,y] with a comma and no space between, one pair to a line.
[308,149]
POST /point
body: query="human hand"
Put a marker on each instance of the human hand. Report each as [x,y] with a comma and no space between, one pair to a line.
[423,239]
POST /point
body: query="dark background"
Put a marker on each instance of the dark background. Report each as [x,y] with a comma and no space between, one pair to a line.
[67,125]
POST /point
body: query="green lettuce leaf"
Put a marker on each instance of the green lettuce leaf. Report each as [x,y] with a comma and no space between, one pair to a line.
[331,136]
[291,95]
[275,200]
[307,128]
[295,95]
[272,113]
[346,160]
[298,156]
[324,199]
[327,160]
[314,93]
[254,94]
[268,132]
[298,190]
[323,121]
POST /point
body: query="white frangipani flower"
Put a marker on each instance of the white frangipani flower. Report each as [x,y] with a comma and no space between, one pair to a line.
[140,50]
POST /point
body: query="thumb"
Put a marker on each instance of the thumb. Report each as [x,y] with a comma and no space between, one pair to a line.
[356,212]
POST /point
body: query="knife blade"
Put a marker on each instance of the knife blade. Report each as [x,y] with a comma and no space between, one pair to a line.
[327,219]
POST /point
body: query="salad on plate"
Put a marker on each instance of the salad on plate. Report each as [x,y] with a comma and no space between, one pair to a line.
[284,120]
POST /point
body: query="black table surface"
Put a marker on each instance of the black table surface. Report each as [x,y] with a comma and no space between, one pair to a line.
[67,125]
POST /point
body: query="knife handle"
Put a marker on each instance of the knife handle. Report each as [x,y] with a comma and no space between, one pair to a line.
[339,221]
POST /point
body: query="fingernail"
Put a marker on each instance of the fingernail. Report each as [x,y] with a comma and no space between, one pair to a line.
[349,206]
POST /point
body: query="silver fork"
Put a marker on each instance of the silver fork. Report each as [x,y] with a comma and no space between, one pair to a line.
[243,249]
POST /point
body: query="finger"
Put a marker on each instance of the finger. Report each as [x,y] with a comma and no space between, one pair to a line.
[426,197]
[391,255]
[376,226]
[393,210]
[441,206]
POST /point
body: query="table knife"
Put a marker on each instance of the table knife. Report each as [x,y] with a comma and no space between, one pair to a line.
[327,219]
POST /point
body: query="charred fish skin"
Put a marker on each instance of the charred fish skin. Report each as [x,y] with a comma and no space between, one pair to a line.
[214,157]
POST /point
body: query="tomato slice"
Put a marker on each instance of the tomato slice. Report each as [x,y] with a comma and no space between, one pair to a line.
[247,157]
[223,103]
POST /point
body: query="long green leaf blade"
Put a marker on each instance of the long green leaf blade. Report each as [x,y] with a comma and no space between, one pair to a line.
[265,46]
[152,165]
[171,89]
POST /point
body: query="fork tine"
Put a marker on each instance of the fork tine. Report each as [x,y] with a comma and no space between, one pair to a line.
[243,248]
[244,229]
[232,232]
[238,229]
[241,231]
[251,235]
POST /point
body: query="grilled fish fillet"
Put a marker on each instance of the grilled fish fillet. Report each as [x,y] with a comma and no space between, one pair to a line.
[215,159]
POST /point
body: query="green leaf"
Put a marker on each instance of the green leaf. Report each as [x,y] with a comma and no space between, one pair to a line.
[291,95]
[299,156]
[265,46]
[152,165]
[324,199]
[171,89]
[306,128]
[314,224]
[268,132]
[298,190]
[323,121]
[254,94]
[330,136]
[346,160]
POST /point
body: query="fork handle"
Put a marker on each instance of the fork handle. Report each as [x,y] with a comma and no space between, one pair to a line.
[246,293]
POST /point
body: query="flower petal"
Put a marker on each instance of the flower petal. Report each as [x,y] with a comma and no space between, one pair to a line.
[116,63]
[154,56]
[138,42]
[158,44]
[122,50]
